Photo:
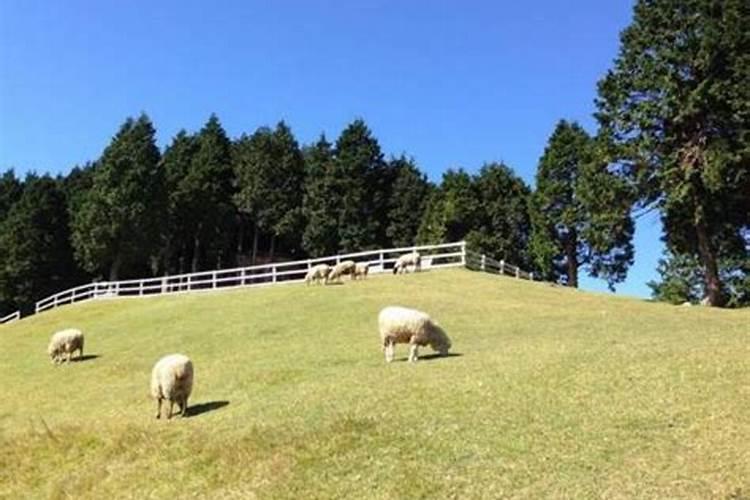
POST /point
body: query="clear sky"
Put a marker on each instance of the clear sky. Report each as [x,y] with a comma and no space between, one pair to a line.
[451,83]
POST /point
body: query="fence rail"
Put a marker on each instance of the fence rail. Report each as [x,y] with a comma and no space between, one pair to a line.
[11,317]
[480,262]
[433,257]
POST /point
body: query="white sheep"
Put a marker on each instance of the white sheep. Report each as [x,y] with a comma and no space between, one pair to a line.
[360,270]
[172,379]
[342,269]
[65,342]
[408,260]
[318,273]
[401,325]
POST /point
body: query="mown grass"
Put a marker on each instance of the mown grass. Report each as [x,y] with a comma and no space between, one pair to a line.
[555,394]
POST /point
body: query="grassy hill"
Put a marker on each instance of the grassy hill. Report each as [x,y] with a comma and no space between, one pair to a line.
[554,393]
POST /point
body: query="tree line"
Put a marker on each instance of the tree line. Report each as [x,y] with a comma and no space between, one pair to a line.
[673,135]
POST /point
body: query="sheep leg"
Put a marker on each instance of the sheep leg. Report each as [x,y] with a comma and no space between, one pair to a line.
[184,407]
[389,351]
[158,408]
[413,355]
[171,409]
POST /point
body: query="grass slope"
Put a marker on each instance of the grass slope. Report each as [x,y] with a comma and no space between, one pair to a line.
[556,394]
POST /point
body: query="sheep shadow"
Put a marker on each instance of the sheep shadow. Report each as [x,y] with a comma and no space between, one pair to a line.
[432,356]
[199,409]
[85,357]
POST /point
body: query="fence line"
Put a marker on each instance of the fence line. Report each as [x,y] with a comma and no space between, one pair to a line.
[11,317]
[433,257]
[480,262]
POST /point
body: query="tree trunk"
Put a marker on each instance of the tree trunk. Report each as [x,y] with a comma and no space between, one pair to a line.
[255,244]
[196,253]
[114,270]
[571,259]
[273,247]
[710,266]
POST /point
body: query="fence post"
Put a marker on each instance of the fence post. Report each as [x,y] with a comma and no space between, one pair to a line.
[213,279]
[382,262]
[502,267]
[244,275]
[55,301]
[463,253]
[273,273]
[531,276]
[484,262]
[140,287]
[518,273]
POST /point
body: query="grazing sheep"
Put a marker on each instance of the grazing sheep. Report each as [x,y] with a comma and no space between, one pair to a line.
[405,261]
[172,379]
[318,273]
[65,342]
[342,269]
[400,325]
[360,270]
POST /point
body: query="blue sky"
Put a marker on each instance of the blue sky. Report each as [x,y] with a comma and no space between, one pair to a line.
[449,83]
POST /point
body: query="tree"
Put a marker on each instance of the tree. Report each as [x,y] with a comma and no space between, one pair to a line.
[180,187]
[270,172]
[675,108]
[363,183]
[681,280]
[206,193]
[36,258]
[407,202]
[580,213]
[10,191]
[320,204]
[117,227]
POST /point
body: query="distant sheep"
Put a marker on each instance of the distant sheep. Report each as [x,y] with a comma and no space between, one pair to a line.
[413,260]
[342,269]
[172,379]
[360,270]
[400,325]
[318,273]
[63,343]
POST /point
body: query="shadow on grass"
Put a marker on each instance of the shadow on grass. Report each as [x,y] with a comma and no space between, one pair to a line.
[199,409]
[85,357]
[433,356]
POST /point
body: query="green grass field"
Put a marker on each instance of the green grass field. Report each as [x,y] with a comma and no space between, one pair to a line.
[554,393]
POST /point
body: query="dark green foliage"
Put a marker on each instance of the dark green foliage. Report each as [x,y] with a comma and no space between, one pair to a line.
[489,210]
[36,258]
[407,202]
[116,230]
[362,181]
[676,110]
[10,191]
[580,212]
[321,204]
[270,173]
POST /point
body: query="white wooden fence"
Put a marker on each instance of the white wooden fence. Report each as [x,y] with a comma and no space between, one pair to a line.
[433,256]
[11,317]
[480,262]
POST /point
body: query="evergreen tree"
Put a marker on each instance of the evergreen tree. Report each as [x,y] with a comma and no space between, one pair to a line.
[576,220]
[321,204]
[500,225]
[270,172]
[36,258]
[407,203]
[10,191]
[182,215]
[116,231]
[452,210]
[681,280]
[206,193]
[676,108]
[363,183]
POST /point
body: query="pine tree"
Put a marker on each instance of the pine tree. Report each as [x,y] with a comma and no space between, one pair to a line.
[576,220]
[407,202]
[116,231]
[321,204]
[36,258]
[675,108]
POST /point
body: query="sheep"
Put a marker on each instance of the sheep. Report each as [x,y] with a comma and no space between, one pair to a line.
[401,325]
[360,270]
[406,260]
[172,379]
[318,273]
[341,269]
[65,342]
